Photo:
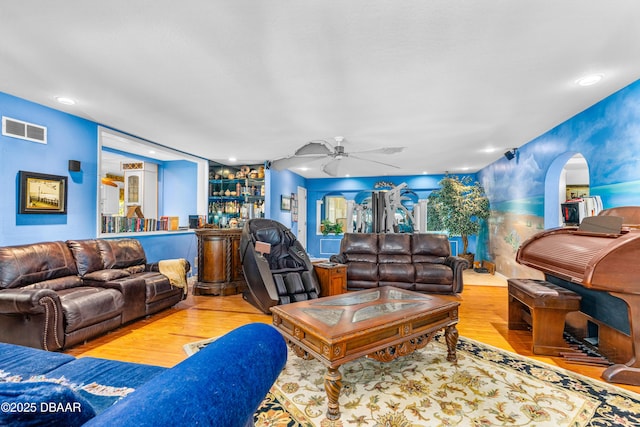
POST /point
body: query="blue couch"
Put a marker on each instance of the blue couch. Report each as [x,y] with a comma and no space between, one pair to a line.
[221,385]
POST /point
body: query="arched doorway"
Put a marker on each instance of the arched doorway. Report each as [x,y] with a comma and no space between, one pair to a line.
[568,174]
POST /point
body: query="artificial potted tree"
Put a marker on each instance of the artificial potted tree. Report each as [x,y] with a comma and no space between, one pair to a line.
[458,207]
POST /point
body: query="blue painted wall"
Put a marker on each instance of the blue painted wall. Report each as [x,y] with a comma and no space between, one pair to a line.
[178,196]
[524,192]
[73,138]
[278,184]
[69,138]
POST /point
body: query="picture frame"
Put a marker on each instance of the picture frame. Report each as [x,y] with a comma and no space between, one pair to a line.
[285,203]
[40,193]
[294,208]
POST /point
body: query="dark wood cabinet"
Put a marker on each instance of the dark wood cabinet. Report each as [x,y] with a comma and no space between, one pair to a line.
[219,266]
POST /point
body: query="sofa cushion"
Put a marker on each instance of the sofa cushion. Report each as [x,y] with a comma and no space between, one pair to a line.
[363,243]
[392,274]
[158,286]
[395,248]
[24,362]
[106,275]
[362,271]
[394,244]
[87,255]
[433,273]
[104,382]
[430,248]
[86,306]
[121,253]
[26,264]
[57,284]
[42,404]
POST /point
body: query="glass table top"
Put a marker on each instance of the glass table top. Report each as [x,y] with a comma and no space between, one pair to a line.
[360,298]
[331,311]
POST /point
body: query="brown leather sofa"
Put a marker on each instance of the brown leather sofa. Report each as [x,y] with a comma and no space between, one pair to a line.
[54,295]
[420,262]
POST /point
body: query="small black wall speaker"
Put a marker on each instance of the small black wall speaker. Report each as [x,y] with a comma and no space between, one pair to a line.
[510,154]
[74,165]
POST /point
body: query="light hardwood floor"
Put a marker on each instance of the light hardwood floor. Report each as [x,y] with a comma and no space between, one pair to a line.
[159,339]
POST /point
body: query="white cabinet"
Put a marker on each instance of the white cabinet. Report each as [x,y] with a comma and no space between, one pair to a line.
[141,187]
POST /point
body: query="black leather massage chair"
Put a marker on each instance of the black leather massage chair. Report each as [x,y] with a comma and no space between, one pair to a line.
[276,266]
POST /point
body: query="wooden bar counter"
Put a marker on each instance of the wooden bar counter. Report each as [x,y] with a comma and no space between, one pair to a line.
[219,266]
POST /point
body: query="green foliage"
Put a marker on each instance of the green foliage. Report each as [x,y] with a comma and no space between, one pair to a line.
[331,227]
[458,207]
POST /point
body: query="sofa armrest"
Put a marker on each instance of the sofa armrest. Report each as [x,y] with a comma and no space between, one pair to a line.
[339,258]
[458,265]
[153,266]
[223,384]
[32,317]
[25,301]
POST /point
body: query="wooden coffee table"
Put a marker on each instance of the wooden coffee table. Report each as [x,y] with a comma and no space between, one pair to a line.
[382,323]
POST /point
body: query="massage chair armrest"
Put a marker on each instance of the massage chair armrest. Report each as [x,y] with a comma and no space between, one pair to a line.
[153,266]
[458,265]
[26,301]
[223,384]
[339,258]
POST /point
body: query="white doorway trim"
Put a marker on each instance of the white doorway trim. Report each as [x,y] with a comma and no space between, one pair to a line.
[302,216]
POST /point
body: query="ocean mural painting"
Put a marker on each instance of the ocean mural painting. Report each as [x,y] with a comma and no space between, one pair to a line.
[524,192]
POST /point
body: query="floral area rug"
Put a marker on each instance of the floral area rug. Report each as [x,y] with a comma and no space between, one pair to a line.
[486,387]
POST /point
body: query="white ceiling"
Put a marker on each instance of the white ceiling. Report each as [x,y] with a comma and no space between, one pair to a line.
[255,80]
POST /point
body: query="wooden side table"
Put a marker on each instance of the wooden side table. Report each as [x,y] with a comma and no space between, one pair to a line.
[332,277]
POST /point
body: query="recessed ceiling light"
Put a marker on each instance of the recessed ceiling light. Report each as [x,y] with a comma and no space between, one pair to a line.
[589,80]
[65,100]
[232,159]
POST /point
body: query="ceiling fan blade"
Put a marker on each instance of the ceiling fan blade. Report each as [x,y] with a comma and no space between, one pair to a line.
[287,162]
[107,181]
[384,150]
[313,148]
[374,161]
[331,168]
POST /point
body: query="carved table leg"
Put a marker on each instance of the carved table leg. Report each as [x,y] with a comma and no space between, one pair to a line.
[333,385]
[451,337]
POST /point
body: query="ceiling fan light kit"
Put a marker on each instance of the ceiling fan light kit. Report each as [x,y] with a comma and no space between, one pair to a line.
[335,154]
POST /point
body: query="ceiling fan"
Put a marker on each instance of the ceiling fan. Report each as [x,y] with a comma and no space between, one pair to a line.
[316,150]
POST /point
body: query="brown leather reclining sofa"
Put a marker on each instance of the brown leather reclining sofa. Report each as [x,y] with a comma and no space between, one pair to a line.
[419,262]
[54,295]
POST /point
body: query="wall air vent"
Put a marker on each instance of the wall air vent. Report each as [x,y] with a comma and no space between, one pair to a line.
[23,130]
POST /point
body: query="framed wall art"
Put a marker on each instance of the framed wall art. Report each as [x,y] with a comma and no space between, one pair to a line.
[285,203]
[42,193]
[294,208]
